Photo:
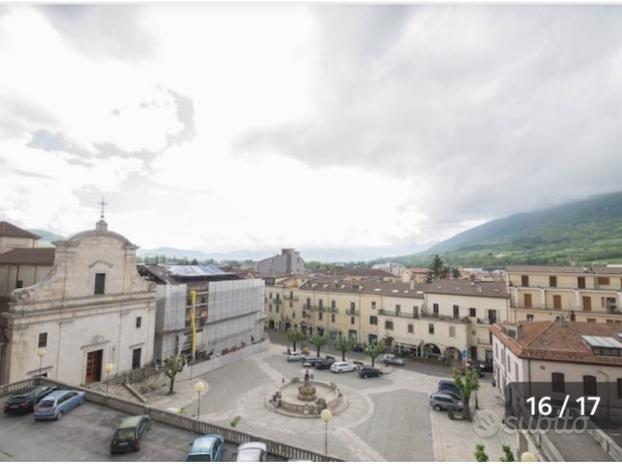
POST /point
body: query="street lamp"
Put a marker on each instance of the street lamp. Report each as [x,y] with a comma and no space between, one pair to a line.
[41,352]
[199,387]
[107,370]
[326,417]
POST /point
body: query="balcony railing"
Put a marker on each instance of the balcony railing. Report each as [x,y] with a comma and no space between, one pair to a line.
[443,317]
[277,301]
[406,315]
[293,298]
[352,312]
[486,321]
[595,286]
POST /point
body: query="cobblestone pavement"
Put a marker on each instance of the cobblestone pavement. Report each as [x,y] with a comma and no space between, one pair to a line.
[388,418]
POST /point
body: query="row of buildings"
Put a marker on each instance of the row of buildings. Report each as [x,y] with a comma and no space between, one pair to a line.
[450,317]
[67,312]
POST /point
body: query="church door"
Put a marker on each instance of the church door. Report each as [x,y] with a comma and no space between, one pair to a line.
[94,366]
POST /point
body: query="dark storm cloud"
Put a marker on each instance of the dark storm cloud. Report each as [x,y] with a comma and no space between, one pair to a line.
[495,109]
[96,30]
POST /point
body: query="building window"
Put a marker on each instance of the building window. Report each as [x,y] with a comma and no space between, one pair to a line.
[524,281]
[291,295]
[589,385]
[558,382]
[431,329]
[139,322]
[270,295]
[472,312]
[100,283]
[529,317]
[452,331]
[590,319]
[294,315]
[352,306]
[320,304]
[435,308]
[603,280]
[332,318]
[619,388]
[332,304]
[492,316]
[352,320]
[411,328]
[388,325]
[43,339]
[552,281]
[270,307]
[373,320]
[291,304]
[398,308]
[308,303]
[319,316]
[456,312]
[373,305]
[19,283]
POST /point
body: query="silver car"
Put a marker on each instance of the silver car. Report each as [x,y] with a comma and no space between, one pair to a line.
[253,451]
[444,401]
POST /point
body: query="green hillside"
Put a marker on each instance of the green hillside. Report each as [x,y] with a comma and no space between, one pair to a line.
[579,232]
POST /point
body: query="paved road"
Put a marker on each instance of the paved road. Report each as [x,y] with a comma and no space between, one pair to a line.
[84,434]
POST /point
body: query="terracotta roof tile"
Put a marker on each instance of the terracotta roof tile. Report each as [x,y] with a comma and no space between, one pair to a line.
[40,256]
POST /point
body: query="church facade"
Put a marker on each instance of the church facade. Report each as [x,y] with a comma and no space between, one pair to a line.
[93,309]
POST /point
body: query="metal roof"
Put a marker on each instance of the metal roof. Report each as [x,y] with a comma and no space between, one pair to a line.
[602,342]
[194,270]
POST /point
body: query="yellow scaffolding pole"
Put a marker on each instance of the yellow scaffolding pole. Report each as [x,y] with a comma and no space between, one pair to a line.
[193,298]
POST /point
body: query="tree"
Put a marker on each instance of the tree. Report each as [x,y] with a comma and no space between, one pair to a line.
[373,350]
[480,453]
[467,383]
[508,456]
[343,344]
[438,270]
[318,341]
[294,336]
[173,366]
[455,273]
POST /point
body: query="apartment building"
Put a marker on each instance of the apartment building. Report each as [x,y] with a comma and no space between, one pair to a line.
[446,318]
[580,293]
[288,262]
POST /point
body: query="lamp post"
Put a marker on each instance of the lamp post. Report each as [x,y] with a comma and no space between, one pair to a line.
[199,387]
[326,417]
[108,368]
[41,353]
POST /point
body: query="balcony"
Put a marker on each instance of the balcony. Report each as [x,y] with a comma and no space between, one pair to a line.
[486,321]
[277,301]
[405,315]
[292,298]
[594,286]
[443,317]
[352,312]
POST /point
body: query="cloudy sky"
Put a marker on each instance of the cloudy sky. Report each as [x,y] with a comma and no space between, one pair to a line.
[338,130]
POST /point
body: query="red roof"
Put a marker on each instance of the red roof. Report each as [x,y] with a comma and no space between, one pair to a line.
[9,230]
[559,341]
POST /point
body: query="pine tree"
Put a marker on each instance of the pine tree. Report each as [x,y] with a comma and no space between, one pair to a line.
[438,270]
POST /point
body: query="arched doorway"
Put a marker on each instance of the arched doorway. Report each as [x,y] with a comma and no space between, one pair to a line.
[430,350]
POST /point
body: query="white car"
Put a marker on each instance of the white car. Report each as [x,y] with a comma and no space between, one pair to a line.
[295,357]
[342,366]
[253,451]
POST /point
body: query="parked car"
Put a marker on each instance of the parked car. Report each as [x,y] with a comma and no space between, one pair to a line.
[24,401]
[129,434]
[444,401]
[367,371]
[295,357]
[448,385]
[311,361]
[324,364]
[57,403]
[207,448]
[253,451]
[390,358]
[342,366]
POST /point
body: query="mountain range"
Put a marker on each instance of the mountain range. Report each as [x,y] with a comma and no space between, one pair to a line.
[577,232]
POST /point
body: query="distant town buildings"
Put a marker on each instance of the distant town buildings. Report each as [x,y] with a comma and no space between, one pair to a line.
[90,310]
[288,262]
[204,307]
[392,268]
